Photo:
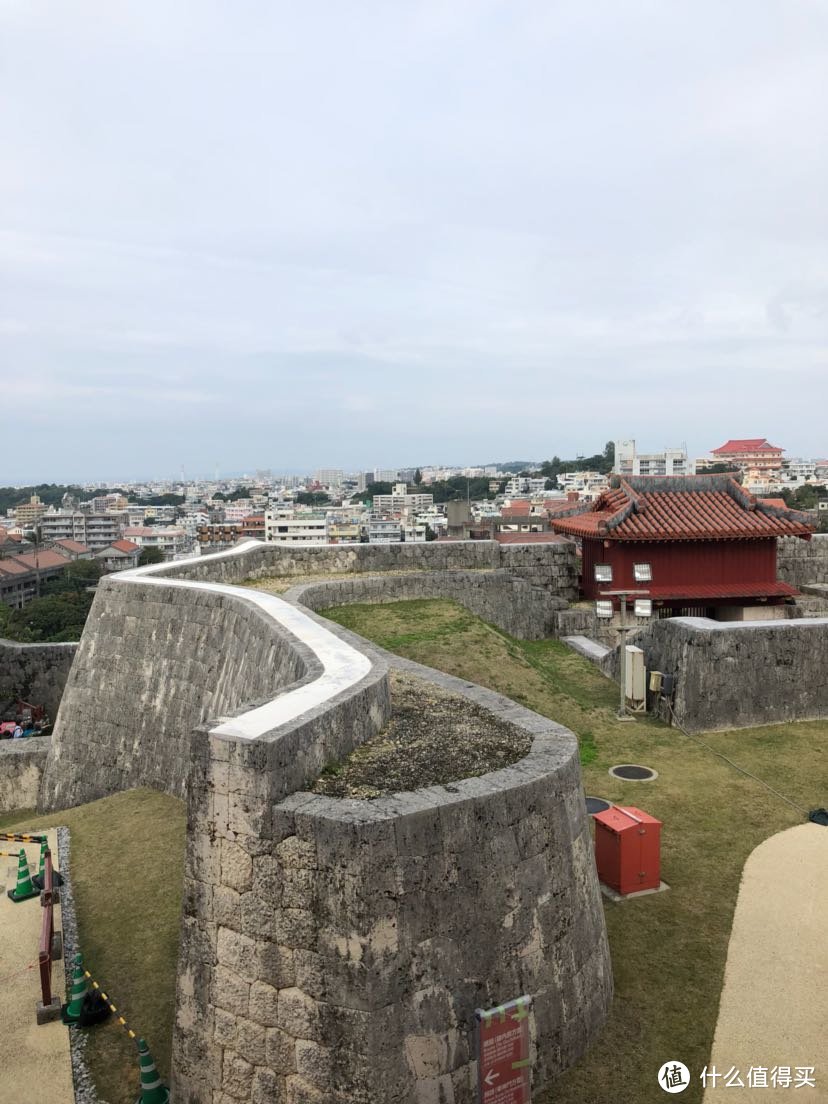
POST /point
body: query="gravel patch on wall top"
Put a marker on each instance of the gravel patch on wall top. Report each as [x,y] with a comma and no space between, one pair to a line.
[433,738]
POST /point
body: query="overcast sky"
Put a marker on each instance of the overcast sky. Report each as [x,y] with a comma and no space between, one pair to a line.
[357,233]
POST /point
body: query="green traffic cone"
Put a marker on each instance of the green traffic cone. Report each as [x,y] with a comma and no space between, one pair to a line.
[153,1090]
[24,888]
[71,1012]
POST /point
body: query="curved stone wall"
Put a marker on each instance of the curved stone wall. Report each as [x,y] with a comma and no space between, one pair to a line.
[332,951]
[514,605]
[338,954]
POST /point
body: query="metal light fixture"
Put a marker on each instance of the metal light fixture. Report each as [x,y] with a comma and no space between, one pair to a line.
[643,572]
[643,607]
[603,608]
[603,573]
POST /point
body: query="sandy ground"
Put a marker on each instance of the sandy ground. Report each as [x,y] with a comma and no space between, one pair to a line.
[35,1065]
[774,1007]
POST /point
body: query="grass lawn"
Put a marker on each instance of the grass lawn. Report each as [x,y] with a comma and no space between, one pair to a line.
[127,855]
[668,950]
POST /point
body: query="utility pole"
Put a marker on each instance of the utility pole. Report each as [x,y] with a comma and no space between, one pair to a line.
[623,629]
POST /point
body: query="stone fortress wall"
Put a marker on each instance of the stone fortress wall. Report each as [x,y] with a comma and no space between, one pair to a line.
[737,674]
[512,604]
[36,673]
[800,562]
[330,943]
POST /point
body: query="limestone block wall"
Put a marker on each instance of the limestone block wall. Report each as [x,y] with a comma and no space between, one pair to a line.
[739,674]
[331,951]
[799,561]
[554,567]
[513,604]
[21,769]
[153,663]
[35,672]
[335,950]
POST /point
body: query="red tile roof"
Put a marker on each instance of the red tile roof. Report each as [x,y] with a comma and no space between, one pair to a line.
[721,590]
[779,503]
[125,546]
[751,444]
[12,567]
[45,558]
[701,507]
[71,545]
[517,509]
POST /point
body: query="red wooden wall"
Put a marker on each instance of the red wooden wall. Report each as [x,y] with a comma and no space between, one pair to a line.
[725,561]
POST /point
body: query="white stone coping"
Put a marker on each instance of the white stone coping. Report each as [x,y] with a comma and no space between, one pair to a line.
[706,624]
[342,665]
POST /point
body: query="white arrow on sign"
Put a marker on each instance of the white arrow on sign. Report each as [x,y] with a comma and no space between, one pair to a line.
[491,1077]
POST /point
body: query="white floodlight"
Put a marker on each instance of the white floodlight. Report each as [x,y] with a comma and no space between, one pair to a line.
[603,573]
[603,608]
[643,573]
[643,607]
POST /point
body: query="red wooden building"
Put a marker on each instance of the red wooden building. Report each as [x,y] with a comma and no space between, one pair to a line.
[709,543]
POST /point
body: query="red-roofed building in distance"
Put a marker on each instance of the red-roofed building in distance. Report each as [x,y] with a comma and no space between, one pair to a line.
[711,546]
[73,549]
[119,556]
[753,454]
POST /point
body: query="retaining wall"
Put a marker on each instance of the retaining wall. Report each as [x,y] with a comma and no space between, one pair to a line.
[21,770]
[36,673]
[739,674]
[513,605]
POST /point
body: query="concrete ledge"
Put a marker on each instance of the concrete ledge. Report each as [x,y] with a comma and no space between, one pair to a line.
[589,649]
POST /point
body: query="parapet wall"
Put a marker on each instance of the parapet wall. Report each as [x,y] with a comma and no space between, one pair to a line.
[514,605]
[332,951]
[739,674]
[37,673]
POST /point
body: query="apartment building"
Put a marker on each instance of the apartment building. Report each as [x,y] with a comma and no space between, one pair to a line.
[309,528]
[172,542]
[629,462]
[383,531]
[96,531]
[400,500]
[525,485]
[29,513]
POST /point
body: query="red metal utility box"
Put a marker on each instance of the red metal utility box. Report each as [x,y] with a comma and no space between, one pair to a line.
[628,849]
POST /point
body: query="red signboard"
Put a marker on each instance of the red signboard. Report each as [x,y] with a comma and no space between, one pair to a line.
[504,1063]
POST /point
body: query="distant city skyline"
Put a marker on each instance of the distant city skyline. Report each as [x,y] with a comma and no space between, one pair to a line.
[311,235]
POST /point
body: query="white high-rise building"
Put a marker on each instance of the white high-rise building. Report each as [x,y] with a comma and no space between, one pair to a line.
[671,461]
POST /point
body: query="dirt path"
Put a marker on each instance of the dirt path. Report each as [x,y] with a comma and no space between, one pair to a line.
[774,1007]
[35,1066]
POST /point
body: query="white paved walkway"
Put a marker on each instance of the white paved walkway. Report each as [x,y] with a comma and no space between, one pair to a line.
[774,1007]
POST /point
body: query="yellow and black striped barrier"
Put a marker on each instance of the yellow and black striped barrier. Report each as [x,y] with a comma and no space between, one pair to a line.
[153,1090]
[17,837]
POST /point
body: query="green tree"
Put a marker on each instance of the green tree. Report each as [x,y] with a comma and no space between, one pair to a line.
[150,555]
[418,477]
[312,498]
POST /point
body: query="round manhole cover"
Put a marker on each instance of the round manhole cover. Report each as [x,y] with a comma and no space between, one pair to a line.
[633,773]
[596,805]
